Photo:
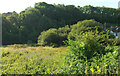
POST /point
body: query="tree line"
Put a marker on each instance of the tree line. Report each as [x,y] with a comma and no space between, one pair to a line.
[26,26]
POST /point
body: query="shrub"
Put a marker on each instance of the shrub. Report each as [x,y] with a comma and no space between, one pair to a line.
[86,45]
[88,51]
[49,37]
[54,36]
[63,33]
[85,26]
[57,36]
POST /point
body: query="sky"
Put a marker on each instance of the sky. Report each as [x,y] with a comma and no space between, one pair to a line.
[20,5]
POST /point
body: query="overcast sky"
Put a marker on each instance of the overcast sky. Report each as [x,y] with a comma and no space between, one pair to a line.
[19,5]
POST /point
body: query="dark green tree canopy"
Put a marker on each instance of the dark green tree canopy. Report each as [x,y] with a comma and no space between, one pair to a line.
[29,23]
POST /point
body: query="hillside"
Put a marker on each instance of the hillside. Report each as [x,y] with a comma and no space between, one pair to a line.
[27,25]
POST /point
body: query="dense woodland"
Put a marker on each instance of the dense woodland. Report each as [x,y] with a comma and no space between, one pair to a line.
[26,26]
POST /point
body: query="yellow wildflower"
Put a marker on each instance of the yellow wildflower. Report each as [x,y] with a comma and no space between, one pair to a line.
[92,69]
[63,64]
[99,70]
[97,66]
[106,65]
[48,69]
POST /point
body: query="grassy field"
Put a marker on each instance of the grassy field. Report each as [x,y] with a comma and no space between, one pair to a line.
[23,59]
[32,60]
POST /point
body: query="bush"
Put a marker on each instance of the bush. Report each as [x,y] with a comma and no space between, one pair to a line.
[86,45]
[88,51]
[54,36]
[49,37]
[89,44]
[85,26]
[57,36]
[63,33]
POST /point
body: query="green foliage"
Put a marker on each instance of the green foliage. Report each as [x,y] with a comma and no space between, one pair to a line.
[28,24]
[86,25]
[32,60]
[82,46]
[49,37]
[54,36]
[5,54]
[70,32]
[48,60]
[8,30]
[89,50]
[86,56]
[116,41]
[63,33]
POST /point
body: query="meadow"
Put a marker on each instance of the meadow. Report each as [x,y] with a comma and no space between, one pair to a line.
[32,60]
[23,59]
